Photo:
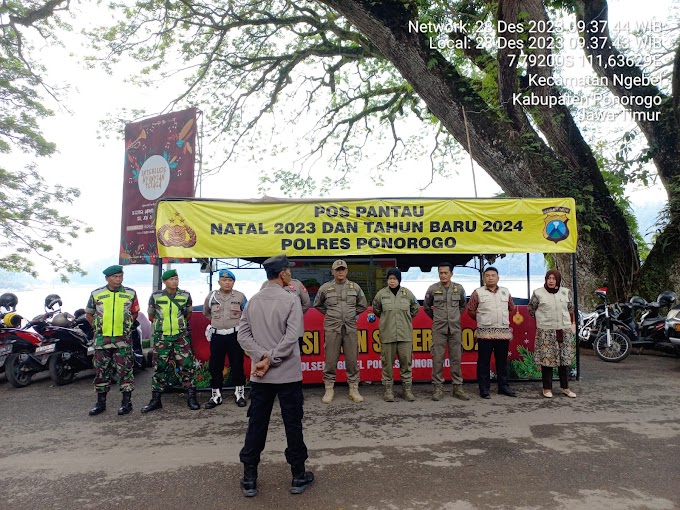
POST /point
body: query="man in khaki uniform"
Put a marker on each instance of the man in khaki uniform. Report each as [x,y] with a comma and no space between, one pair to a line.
[444,301]
[341,301]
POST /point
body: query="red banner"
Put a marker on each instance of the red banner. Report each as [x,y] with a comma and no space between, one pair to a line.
[521,347]
[159,163]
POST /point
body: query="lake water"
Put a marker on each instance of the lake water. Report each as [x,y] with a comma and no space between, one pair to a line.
[31,302]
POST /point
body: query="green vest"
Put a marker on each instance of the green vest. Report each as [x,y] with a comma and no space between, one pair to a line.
[170,311]
[113,311]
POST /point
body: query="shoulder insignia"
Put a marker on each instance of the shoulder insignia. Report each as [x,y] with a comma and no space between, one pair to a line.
[351,285]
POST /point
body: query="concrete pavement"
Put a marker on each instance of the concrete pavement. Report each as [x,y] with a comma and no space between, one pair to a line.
[616,446]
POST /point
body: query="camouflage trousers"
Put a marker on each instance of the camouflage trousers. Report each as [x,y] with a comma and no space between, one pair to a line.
[113,365]
[175,348]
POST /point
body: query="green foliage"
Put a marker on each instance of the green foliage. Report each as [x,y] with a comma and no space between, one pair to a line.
[616,178]
[32,225]
[30,220]
[525,367]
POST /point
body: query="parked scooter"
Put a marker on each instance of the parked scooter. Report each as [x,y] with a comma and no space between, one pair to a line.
[654,329]
[29,345]
[68,342]
[673,327]
[11,333]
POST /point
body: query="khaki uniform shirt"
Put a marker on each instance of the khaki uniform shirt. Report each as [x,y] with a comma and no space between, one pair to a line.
[341,303]
[443,305]
[224,309]
[396,314]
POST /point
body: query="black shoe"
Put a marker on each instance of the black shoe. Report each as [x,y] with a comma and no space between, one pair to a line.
[215,400]
[154,403]
[100,406]
[301,484]
[126,404]
[241,402]
[506,391]
[249,480]
[484,394]
[192,403]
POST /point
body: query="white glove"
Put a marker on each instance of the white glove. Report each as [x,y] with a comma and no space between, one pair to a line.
[208,333]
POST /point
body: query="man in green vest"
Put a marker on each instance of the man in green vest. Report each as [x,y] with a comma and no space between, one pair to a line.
[111,310]
[170,311]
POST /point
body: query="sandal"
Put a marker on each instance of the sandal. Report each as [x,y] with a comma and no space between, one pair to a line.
[548,394]
[569,393]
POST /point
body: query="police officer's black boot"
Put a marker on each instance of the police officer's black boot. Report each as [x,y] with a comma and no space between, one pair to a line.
[154,403]
[100,406]
[192,403]
[126,404]
[249,480]
[301,479]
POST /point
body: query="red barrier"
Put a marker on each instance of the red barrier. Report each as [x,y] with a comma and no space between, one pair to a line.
[524,330]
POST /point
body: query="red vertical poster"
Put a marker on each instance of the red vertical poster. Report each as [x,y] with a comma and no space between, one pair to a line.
[159,163]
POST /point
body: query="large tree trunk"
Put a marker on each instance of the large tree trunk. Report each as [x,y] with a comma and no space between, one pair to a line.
[660,270]
[506,146]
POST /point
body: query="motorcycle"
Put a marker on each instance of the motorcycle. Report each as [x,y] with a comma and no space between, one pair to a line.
[140,362]
[611,341]
[655,330]
[68,344]
[673,327]
[27,343]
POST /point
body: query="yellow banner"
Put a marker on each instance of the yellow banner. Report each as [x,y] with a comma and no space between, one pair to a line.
[223,228]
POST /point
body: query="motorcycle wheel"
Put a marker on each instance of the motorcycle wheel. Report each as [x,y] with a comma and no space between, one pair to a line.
[16,376]
[620,347]
[60,372]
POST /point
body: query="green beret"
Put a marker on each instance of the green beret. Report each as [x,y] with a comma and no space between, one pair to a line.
[169,274]
[111,270]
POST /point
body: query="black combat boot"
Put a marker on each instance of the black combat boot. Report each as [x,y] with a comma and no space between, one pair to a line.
[301,479]
[192,403]
[154,403]
[100,406]
[249,480]
[126,404]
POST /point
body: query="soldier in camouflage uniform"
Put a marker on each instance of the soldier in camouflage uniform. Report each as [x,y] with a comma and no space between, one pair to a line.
[111,310]
[170,311]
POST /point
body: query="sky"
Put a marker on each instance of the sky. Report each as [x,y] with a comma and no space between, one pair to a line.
[95,164]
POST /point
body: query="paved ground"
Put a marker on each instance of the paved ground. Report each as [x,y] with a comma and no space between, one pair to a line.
[617,446]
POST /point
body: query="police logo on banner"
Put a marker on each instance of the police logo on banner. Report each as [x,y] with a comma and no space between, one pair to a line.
[176,233]
[555,224]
